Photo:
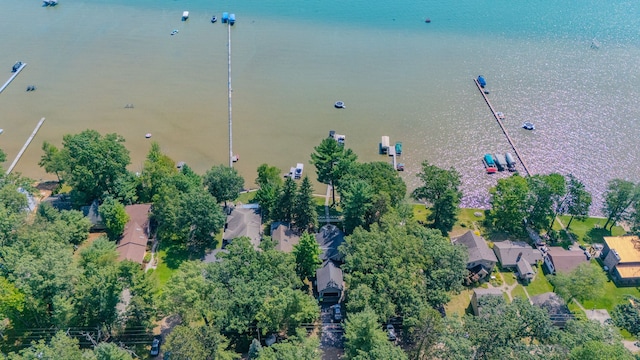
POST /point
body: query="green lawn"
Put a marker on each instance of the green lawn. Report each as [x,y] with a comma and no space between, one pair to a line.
[589,231]
[611,296]
[247,197]
[420,212]
[508,277]
[459,303]
[518,291]
[576,310]
[468,221]
[169,261]
[540,284]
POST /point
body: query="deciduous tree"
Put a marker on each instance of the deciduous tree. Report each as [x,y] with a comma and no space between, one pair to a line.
[307,254]
[619,197]
[577,201]
[364,339]
[441,189]
[114,216]
[509,204]
[158,169]
[224,183]
[268,175]
[545,195]
[583,283]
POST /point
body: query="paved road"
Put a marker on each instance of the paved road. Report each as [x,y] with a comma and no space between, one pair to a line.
[332,338]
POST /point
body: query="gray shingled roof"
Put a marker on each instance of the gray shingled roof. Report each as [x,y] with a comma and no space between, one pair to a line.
[243,222]
[284,236]
[508,252]
[329,239]
[329,276]
[478,249]
[524,267]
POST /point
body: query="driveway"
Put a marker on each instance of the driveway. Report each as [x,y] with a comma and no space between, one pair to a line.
[332,337]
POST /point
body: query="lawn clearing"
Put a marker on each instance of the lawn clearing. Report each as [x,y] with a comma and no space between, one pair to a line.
[246,197]
[588,231]
[540,284]
[459,303]
[518,291]
[508,277]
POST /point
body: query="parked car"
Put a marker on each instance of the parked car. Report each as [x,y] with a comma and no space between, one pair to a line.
[336,313]
[391,333]
[155,345]
[582,247]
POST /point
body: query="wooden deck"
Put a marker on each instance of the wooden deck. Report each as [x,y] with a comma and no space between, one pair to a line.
[504,130]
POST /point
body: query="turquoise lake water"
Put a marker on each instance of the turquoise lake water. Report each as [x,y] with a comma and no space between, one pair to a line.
[292,60]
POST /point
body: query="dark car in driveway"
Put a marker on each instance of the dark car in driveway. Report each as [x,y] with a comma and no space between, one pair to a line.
[155,345]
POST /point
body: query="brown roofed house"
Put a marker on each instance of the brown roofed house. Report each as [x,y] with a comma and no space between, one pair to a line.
[480,256]
[133,244]
[621,256]
[285,238]
[559,259]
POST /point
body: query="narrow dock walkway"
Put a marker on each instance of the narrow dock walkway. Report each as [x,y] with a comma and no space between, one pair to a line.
[24,147]
[13,77]
[504,130]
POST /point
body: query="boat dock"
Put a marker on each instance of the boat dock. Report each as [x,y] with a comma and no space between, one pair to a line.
[24,147]
[13,77]
[497,116]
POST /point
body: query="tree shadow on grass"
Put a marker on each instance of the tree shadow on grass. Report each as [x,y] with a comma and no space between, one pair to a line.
[596,235]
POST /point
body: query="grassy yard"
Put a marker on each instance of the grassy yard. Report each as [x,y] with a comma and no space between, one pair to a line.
[169,260]
[420,212]
[540,284]
[611,296]
[459,303]
[518,291]
[246,197]
[589,231]
[467,221]
[508,277]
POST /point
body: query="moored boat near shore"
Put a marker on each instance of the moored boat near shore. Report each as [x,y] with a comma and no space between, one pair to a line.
[489,164]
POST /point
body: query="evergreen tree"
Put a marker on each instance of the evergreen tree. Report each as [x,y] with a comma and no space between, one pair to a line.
[254,349]
[305,216]
[286,202]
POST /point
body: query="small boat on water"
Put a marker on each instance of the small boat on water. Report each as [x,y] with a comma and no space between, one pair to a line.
[339,105]
[232,19]
[185,15]
[501,162]
[1,131]
[398,148]
[500,115]
[528,126]
[16,66]
[175,31]
[225,17]
[489,164]
[49,3]
[511,163]
[482,81]
[400,167]
[214,19]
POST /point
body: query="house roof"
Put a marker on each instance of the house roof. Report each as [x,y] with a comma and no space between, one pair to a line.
[284,236]
[551,302]
[329,276]
[480,292]
[243,222]
[627,247]
[91,212]
[565,260]
[508,252]
[523,266]
[478,249]
[628,271]
[329,238]
[133,244]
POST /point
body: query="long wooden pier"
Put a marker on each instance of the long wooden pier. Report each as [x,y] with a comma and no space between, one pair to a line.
[13,77]
[230,91]
[504,130]
[24,147]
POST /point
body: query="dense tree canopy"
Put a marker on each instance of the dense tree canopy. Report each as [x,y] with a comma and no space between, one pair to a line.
[114,216]
[620,196]
[307,254]
[401,270]
[577,201]
[158,170]
[90,163]
[365,339]
[545,196]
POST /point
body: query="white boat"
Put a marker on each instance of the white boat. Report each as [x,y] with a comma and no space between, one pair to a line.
[500,115]
[528,126]
[1,131]
[185,15]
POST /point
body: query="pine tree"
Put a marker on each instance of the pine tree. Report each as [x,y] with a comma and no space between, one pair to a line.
[254,349]
[304,213]
[284,208]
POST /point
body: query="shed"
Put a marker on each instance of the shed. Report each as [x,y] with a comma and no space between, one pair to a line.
[525,271]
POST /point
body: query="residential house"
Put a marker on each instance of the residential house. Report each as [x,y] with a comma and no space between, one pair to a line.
[329,282]
[133,244]
[284,236]
[480,296]
[91,212]
[243,221]
[481,259]
[621,257]
[525,271]
[509,252]
[329,239]
[557,258]
[558,311]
